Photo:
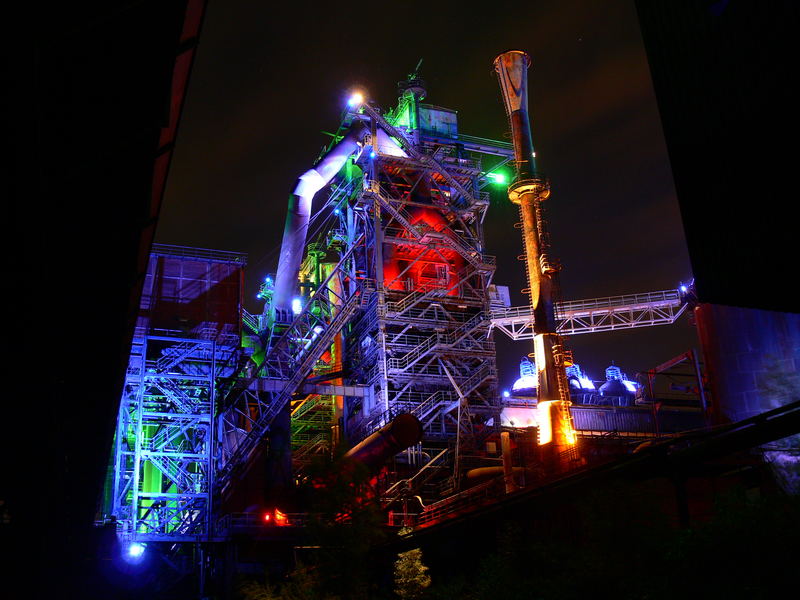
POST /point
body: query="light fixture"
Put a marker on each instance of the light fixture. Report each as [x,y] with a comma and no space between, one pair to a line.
[356,99]
[134,553]
[498,178]
[297,306]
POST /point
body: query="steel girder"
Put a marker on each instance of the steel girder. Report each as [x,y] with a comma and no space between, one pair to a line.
[596,314]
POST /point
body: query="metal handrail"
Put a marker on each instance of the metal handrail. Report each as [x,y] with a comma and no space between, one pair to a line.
[203,253]
[668,297]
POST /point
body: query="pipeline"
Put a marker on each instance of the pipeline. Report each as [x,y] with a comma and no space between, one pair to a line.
[401,432]
[299,214]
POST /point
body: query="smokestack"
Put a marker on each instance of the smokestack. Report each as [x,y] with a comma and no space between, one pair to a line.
[528,191]
[512,71]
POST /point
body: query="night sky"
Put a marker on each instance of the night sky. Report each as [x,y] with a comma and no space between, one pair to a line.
[268,80]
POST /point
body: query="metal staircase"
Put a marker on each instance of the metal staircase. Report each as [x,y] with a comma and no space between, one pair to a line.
[292,359]
[481,262]
[437,340]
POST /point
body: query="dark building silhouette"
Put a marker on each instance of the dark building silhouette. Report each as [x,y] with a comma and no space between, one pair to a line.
[96,94]
[722,74]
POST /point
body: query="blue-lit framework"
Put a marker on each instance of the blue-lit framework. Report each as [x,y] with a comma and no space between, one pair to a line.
[164,445]
[164,439]
[398,285]
[416,339]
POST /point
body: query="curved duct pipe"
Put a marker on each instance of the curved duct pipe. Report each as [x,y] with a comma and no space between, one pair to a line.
[386,145]
[401,432]
[299,214]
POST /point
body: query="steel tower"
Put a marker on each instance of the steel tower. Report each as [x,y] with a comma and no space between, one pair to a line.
[388,312]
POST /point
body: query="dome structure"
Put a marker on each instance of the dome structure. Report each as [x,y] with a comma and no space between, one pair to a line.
[614,387]
[578,380]
[528,381]
[617,384]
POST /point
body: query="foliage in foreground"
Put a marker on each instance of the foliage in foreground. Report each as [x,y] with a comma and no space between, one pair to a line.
[411,577]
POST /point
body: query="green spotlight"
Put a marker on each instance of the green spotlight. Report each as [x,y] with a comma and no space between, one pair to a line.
[498,178]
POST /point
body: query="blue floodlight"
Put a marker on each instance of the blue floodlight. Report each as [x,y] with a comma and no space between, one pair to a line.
[268,279]
[684,289]
[631,386]
[506,394]
[336,211]
[134,553]
[372,154]
[259,296]
[297,306]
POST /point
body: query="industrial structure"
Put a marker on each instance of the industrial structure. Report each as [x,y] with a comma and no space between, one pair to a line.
[376,335]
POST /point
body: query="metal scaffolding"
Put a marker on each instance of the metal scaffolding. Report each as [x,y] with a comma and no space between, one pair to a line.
[431,316]
[396,286]
[163,473]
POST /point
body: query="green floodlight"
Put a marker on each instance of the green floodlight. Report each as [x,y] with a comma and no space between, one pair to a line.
[498,178]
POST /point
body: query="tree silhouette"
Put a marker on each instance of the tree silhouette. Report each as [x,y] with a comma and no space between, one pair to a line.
[411,577]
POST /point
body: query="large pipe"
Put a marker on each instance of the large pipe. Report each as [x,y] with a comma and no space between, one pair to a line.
[299,214]
[312,181]
[512,71]
[481,474]
[529,189]
[403,431]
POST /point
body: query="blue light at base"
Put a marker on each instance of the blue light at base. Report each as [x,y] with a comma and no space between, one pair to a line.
[631,386]
[372,154]
[684,289]
[134,552]
[506,394]
[336,211]
[297,306]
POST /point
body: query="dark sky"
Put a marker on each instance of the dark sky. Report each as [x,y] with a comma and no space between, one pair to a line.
[269,79]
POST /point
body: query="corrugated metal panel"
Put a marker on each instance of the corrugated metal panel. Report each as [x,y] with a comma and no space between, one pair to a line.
[634,419]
